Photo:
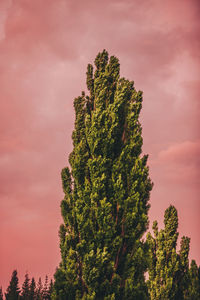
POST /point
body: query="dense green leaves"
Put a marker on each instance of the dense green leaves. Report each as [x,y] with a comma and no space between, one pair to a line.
[168,270]
[106,192]
[193,290]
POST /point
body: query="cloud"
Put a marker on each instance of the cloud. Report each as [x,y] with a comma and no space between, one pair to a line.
[185,153]
[44,50]
[179,164]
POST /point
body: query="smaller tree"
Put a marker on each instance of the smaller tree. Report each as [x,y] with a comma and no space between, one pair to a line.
[45,289]
[13,290]
[168,269]
[193,291]
[50,290]
[25,294]
[32,289]
[39,290]
[1,294]
[183,275]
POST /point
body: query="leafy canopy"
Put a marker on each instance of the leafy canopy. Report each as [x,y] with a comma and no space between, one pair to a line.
[106,192]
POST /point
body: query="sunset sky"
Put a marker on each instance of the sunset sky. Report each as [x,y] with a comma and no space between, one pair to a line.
[45,46]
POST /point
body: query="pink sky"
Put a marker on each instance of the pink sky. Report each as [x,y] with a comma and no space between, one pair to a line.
[45,46]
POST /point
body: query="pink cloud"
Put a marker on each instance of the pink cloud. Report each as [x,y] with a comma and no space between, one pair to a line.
[183,153]
[180,162]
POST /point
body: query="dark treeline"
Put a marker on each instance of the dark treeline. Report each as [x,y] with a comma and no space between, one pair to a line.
[30,289]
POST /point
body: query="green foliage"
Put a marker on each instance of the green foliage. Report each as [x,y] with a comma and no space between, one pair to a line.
[168,270]
[193,291]
[13,290]
[106,192]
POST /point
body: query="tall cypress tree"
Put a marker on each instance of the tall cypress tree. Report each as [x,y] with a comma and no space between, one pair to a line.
[106,192]
[168,270]
[13,290]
